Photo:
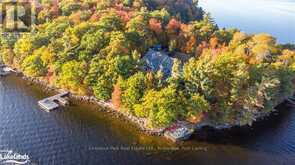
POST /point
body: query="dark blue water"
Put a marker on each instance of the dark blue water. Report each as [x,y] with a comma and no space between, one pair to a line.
[276,17]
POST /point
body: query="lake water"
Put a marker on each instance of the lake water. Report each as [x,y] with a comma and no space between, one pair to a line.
[276,17]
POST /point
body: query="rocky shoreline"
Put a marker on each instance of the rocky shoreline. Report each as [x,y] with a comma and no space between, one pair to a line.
[258,117]
[139,122]
[107,107]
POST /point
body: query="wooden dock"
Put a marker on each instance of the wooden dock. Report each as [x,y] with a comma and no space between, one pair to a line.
[51,103]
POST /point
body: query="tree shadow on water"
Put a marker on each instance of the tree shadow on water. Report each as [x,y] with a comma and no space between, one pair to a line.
[267,127]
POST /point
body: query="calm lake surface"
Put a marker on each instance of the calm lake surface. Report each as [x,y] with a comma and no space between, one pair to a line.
[276,17]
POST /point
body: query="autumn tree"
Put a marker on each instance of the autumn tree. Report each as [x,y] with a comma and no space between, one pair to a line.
[116,96]
[155,25]
[33,66]
[72,75]
[132,90]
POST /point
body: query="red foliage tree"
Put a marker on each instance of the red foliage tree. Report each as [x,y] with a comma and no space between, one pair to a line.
[173,25]
[95,17]
[155,25]
[54,9]
[124,15]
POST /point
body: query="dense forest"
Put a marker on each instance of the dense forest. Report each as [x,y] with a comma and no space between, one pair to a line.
[95,47]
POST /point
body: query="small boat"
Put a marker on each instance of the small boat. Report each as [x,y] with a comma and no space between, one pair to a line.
[179,132]
[4,71]
[290,102]
[8,69]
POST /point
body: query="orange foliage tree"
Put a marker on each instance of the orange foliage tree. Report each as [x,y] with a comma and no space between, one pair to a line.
[116,96]
[155,25]
[173,25]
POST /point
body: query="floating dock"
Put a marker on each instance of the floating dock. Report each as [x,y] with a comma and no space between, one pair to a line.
[51,103]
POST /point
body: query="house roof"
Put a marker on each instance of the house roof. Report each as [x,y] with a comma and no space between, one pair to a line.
[158,60]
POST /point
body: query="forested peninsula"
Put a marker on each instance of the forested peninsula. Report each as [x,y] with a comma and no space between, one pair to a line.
[121,51]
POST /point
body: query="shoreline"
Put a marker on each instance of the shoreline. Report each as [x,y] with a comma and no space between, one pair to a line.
[107,106]
[141,123]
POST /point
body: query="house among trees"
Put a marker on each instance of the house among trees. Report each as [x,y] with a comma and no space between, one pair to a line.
[157,59]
